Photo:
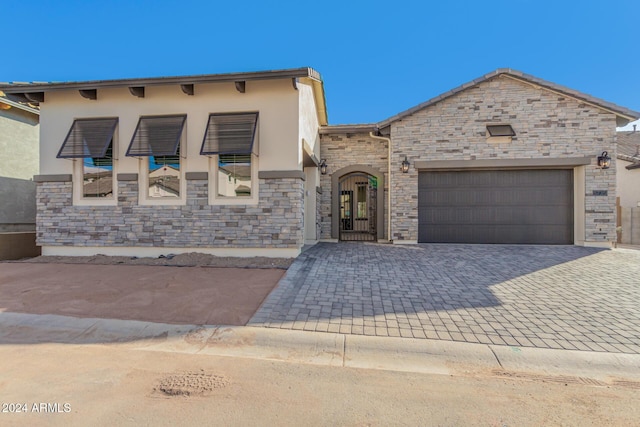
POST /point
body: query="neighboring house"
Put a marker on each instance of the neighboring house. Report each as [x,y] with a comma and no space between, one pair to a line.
[229,164]
[628,168]
[18,164]
[628,184]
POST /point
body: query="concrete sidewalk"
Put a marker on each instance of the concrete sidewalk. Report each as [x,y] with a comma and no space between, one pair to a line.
[331,349]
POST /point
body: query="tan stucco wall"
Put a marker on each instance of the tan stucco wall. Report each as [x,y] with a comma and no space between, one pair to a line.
[308,132]
[18,143]
[276,101]
[308,123]
[628,184]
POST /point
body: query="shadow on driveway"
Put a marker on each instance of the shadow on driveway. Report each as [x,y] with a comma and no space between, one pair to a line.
[387,279]
[565,297]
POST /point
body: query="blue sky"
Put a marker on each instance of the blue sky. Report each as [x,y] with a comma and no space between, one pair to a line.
[377,58]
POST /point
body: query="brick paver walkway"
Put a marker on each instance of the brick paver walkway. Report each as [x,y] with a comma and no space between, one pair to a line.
[563,297]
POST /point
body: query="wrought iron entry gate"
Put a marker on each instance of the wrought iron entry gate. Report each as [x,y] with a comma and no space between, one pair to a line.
[358,195]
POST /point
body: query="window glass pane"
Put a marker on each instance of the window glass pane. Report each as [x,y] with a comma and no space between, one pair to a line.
[97,173]
[362,201]
[345,210]
[234,175]
[164,176]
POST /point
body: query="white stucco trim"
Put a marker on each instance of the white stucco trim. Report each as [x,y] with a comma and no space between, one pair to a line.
[78,177]
[78,190]
[143,184]
[216,199]
[405,242]
[157,251]
[579,217]
[605,245]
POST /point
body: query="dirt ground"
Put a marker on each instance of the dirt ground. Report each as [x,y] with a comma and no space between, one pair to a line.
[167,294]
[106,385]
[191,259]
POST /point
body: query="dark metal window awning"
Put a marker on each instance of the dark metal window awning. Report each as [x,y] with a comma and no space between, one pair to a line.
[500,130]
[230,133]
[157,136]
[88,138]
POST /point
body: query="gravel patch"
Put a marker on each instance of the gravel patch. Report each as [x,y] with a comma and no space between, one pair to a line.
[191,259]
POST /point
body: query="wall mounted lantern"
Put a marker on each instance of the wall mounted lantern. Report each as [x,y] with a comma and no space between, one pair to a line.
[405,165]
[604,161]
[323,166]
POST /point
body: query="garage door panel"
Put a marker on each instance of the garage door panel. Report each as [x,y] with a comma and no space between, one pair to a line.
[520,206]
[497,235]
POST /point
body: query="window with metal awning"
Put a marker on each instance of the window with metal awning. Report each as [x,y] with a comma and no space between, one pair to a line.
[232,138]
[159,138]
[91,137]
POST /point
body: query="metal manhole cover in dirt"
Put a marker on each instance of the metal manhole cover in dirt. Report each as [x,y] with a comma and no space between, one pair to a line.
[190,384]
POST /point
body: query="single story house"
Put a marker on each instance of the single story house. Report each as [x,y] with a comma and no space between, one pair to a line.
[246,164]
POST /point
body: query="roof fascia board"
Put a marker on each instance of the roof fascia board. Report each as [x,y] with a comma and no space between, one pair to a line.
[570,95]
[318,97]
[20,106]
[158,81]
[432,101]
[626,158]
[339,129]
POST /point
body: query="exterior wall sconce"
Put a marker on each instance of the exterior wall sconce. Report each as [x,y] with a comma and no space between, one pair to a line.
[323,166]
[405,165]
[604,161]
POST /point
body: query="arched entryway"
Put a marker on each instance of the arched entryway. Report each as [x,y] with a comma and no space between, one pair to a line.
[357,204]
[358,217]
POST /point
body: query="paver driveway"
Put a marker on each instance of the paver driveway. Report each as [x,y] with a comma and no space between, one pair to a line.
[564,297]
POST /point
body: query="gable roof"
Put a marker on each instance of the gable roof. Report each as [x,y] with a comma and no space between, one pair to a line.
[624,114]
[100,185]
[629,148]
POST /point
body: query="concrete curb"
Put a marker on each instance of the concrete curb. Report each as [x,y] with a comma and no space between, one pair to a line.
[415,355]
[330,349]
[568,362]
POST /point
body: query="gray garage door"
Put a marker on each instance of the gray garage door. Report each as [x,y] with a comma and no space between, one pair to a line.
[519,206]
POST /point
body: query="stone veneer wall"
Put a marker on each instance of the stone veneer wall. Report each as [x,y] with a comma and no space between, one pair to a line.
[547,125]
[275,222]
[319,193]
[342,150]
